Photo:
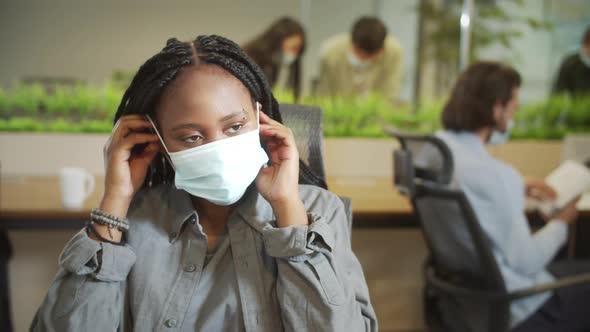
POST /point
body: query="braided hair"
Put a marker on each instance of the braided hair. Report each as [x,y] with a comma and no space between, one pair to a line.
[152,78]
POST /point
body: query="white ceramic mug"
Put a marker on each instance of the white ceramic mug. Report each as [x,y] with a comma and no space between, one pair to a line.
[76,185]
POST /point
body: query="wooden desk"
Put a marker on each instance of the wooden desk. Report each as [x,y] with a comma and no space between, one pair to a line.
[34,202]
[375,201]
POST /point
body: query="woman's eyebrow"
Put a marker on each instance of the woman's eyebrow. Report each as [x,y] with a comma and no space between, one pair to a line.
[187,126]
[240,113]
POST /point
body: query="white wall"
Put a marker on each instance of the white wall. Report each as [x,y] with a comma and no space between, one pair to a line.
[88,39]
[401,19]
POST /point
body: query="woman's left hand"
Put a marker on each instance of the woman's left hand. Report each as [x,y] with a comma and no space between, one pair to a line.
[279,182]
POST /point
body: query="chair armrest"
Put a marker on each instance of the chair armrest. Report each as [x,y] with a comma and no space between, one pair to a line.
[453,289]
[461,291]
[560,283]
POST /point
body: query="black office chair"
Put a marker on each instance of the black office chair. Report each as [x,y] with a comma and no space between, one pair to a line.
[464,290]
[306,122]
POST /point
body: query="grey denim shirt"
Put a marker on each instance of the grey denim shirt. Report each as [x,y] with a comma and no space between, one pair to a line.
[298,278]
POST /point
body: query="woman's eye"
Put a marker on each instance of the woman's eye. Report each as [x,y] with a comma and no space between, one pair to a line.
[235,129]
[193,139]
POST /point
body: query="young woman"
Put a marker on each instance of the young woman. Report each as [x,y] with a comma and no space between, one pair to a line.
[199,227]
[278,52]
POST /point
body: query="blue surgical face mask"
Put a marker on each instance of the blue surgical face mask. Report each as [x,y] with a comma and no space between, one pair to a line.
[287,58]
[221,171]
[497,137]
[356,62]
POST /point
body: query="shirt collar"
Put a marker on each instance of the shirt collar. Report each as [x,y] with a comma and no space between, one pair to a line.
[253,208]
[466,139]
[180,211]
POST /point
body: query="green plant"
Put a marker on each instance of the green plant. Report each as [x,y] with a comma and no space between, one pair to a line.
[366,117]
[111,98]
[80,108]
[90,109]
[553,118]
[284,96]
[26,99]
[4,104]
[59,102]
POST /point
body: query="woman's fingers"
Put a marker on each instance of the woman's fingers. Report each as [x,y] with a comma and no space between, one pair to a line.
[278,133]
[126,118]
[148,153]
[129,125]
[138,138]
[265,119]
[134,139]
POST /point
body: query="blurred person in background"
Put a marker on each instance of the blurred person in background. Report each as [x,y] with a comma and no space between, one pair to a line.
[366,60]
[574,73]
[278,51]
[480,111]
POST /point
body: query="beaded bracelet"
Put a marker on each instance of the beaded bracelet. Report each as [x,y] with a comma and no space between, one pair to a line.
[101,213]
[90,228]
[122,226]
[102,218]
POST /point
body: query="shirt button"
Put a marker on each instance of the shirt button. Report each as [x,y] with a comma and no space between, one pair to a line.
[171,322]
[190,268]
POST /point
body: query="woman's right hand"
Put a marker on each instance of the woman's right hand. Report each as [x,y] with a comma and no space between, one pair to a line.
[126,171]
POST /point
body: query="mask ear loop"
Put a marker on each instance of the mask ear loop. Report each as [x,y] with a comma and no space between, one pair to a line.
[167,154]
[258,114]
[258,106]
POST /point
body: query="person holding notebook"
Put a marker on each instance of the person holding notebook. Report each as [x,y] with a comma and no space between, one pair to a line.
[479,112]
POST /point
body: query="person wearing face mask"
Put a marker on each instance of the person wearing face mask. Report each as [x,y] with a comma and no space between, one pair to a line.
[278,51]
[209,221]
[367,60]
[574,73]
[480,111]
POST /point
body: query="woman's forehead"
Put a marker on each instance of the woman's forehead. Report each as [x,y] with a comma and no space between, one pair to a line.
[205,91]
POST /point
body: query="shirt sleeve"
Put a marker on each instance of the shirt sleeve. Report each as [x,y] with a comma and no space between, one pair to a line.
[295,242]
[318,274]
[88,292]
[504,220]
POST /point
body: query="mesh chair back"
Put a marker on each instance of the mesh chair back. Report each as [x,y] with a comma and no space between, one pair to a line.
[306,122]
